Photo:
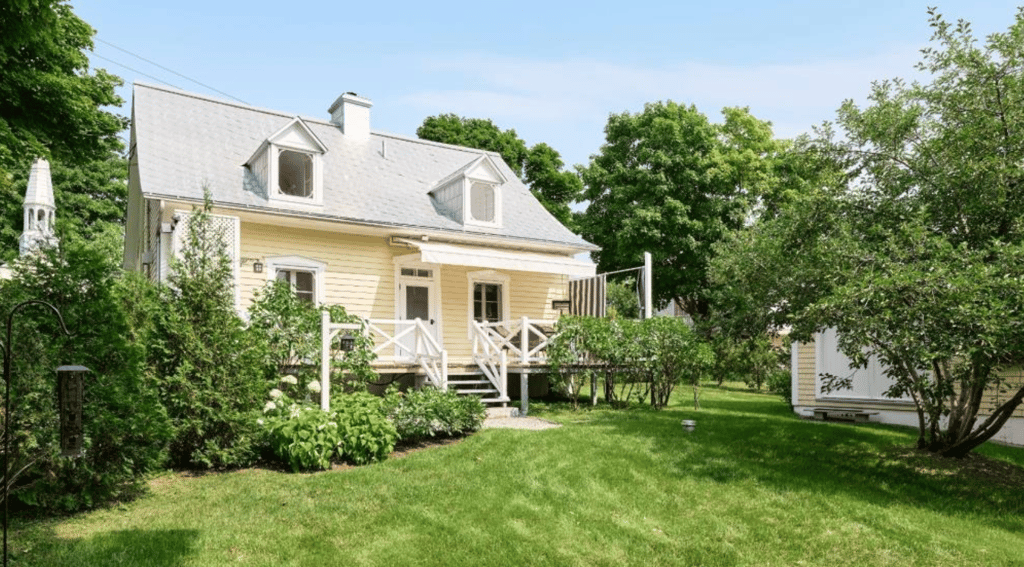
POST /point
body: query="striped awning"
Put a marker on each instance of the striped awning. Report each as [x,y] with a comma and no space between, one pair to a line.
[587,296]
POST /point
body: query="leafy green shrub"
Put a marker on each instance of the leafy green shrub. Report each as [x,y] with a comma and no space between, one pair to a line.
[290,327]
[655,353]
[125,427]
[304,437]
[212,373]
[780,382]
[307,439]
[366,432]
[429,412]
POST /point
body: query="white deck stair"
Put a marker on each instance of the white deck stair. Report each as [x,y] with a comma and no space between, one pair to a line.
[477,386]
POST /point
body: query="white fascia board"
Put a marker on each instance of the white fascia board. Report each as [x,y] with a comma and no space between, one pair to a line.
[302,125]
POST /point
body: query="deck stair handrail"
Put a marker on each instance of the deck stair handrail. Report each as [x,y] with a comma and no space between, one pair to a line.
[492,359]
[522,342]
[425,350]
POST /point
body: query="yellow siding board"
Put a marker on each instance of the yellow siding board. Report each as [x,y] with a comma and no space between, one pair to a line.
[360,275]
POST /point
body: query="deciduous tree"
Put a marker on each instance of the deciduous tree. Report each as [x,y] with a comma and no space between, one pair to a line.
[53,105]
[670,182]
[917,256]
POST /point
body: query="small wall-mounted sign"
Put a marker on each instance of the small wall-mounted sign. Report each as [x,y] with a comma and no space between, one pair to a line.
[560,304]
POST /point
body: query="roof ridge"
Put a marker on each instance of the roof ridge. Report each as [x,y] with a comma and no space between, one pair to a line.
[215,100]
[415,140]
[320,121]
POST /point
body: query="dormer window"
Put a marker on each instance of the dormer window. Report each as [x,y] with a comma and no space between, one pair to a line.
[472,194]
[295,173]
[288,166]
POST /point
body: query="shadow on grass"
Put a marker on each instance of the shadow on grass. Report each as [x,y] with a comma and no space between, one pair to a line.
[750,438]
[156,548]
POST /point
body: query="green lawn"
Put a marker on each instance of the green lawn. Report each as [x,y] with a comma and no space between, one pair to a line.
[753,485]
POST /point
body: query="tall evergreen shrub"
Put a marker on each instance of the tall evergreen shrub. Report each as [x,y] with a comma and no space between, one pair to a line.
[125,427]
[213,379]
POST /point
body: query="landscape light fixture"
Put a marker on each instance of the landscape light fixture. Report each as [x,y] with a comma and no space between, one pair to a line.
[347,342]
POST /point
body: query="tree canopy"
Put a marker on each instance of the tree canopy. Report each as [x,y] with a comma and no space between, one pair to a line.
[50,103]
[670,182]
[915,252]
[540,166]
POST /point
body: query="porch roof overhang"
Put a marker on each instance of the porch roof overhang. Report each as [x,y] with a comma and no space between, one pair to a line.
[498,259]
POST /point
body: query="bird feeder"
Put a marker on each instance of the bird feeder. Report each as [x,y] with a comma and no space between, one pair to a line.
[70,394]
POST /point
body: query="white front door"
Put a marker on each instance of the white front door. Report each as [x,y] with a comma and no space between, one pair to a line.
[417,299]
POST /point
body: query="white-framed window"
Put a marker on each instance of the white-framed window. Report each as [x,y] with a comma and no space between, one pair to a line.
[302,282]
[487,297]
[288,166]
[295,173]
[305,275]
[482,202]
[487,302]
[473,194]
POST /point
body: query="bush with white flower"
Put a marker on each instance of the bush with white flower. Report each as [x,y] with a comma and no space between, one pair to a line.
[307,438]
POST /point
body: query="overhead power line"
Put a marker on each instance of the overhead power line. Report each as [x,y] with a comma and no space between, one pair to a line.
[94,54]
[205,86]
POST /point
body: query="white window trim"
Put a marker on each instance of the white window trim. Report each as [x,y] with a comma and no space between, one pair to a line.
[275,193]
[467,203]
[491,277]
[301,263]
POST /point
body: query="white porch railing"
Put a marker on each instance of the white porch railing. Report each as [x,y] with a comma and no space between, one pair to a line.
[520,341]
[409,341]
[524,339]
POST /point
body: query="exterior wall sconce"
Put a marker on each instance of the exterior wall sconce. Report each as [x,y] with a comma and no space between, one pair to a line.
[257,267]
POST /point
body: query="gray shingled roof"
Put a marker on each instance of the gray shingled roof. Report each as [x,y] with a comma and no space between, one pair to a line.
[185,142]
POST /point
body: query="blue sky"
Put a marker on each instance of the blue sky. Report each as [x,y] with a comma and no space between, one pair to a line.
[553,71]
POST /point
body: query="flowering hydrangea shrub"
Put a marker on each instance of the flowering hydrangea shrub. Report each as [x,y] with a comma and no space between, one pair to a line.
[304,437]
[307,440]
[429,412]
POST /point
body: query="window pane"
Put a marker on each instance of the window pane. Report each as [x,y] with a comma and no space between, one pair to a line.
[487,302]
[304,281]
[295,173]
[284,275]
[417,302]
[408,272]
[482,202]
